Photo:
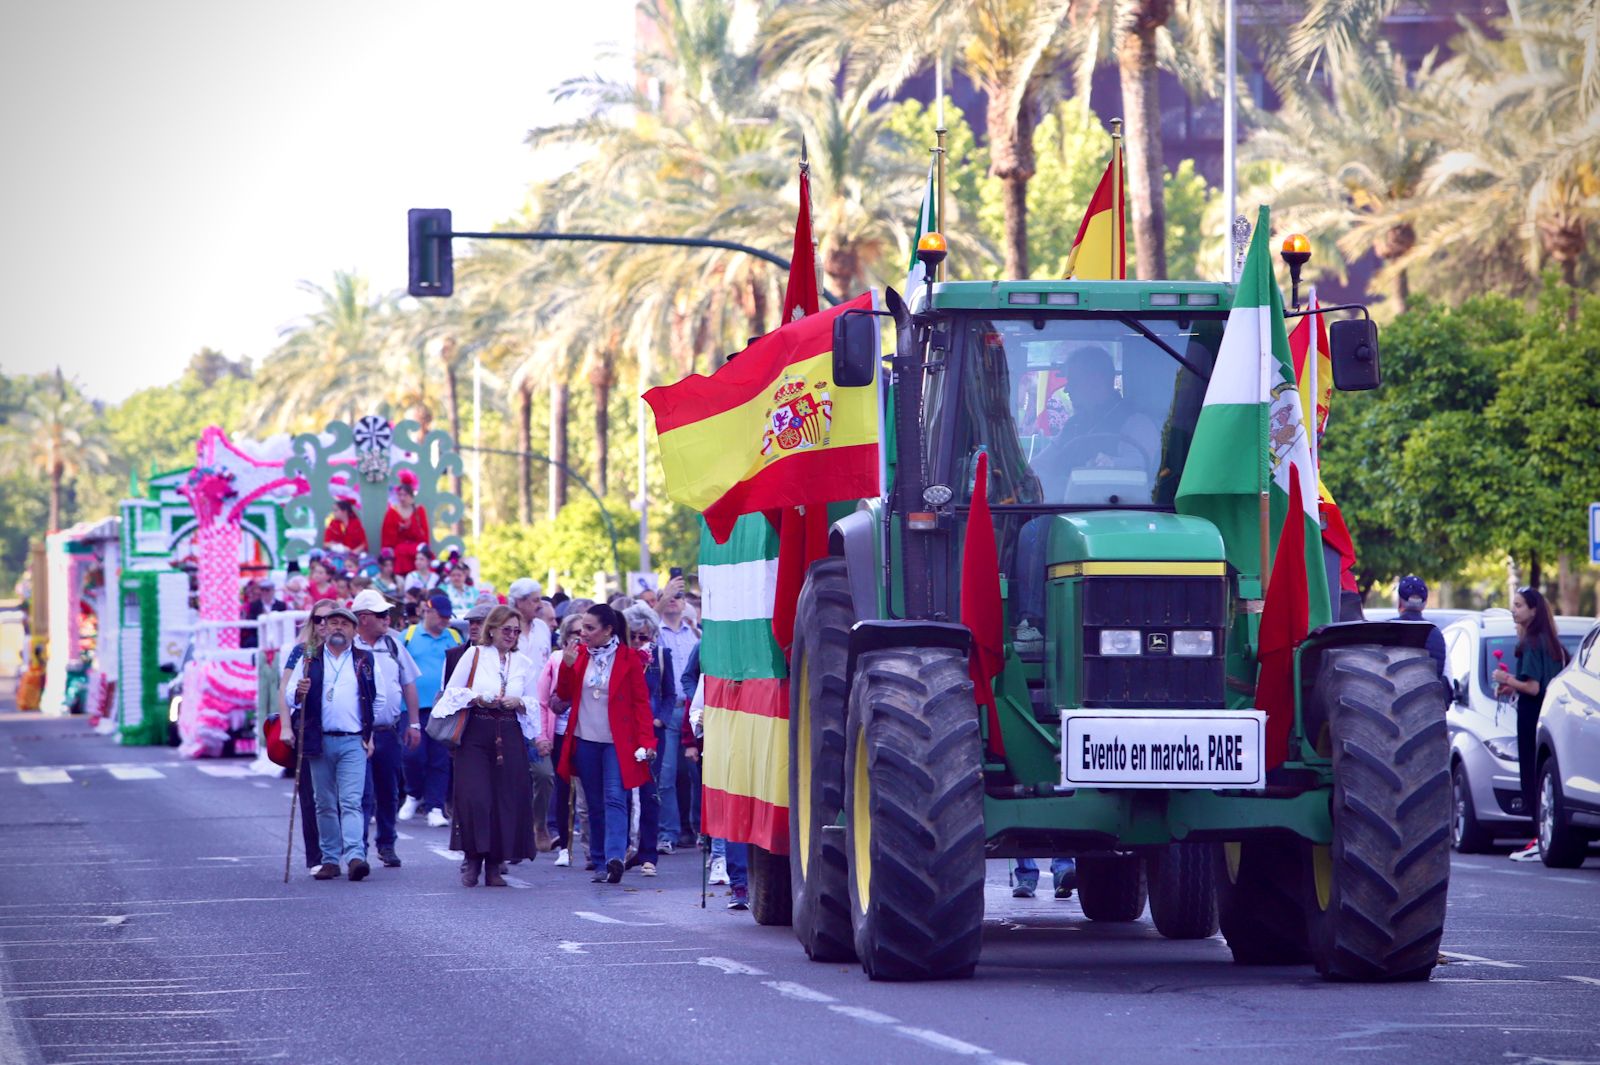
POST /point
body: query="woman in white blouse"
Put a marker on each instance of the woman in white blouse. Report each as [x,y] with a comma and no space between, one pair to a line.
[492,802]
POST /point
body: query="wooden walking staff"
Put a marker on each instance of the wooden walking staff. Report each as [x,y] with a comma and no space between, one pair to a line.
[294,792]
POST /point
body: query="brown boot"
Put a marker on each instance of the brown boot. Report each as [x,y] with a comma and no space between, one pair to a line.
[493,874]
[469,871]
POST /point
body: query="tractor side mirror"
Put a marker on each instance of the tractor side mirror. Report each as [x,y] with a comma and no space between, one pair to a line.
[1353,349]
[855,349]
[1458,689]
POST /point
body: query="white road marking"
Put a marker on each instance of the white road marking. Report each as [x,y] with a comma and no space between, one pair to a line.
[517,882]
[1569,879]
[1475,960]
[135,772]
[789,989]
[941,1041]
[861,1013]
[1593,981]
[404,835]
[600,918]
[43,776]
[259,784]
[226,770]
[731,967]
[571,947]
[1483,980]
[454,856]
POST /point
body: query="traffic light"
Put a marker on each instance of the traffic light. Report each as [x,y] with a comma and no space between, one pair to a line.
[432,267]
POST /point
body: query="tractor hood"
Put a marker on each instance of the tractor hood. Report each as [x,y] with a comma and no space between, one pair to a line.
[1133,536]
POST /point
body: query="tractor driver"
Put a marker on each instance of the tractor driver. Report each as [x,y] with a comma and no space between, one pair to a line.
[1104,431]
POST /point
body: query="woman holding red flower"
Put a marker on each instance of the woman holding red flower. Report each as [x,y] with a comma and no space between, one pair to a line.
[405,526]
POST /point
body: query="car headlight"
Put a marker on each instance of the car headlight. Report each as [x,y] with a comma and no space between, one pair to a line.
[1119,642]
[1503,748]
[1195,643]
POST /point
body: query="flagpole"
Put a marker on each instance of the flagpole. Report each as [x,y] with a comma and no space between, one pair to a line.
[939,132]
[1229,133]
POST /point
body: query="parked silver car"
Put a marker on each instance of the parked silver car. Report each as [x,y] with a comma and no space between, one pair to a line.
[1483,729]
[1568,799]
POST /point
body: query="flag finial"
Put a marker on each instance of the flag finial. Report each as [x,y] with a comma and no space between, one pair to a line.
[1116,129]
[805,161]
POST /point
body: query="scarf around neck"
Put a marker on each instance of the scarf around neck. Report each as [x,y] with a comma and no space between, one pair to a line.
[601,660]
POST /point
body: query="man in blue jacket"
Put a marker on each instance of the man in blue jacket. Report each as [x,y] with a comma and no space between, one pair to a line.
[1410,598]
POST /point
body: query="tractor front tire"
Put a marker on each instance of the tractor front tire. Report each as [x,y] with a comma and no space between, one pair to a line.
[1112,888]
[769,887]
[1183,890]
[914,824]
[1259,907]
[818,697]
[1377,894]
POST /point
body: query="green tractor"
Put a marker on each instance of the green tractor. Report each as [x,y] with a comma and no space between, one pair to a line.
[1125,630]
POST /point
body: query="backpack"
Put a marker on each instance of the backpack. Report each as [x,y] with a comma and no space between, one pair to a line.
[412,629]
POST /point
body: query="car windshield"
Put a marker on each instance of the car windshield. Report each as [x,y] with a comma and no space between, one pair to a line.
[1506,648]
[1086,411]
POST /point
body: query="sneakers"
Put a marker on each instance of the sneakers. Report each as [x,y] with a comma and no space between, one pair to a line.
[1024,889]
[740,900]
[647,869]
[719,871]
[388,857]
[664,847]
[614,871]
[1530,853]
[1065,881]
[408,809]
[359,869]
[437,819]
[326,871]
[563,858]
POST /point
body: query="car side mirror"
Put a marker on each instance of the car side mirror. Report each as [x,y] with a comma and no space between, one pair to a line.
[855,349]
[1353,349]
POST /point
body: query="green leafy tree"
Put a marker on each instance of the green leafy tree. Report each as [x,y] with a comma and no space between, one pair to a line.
[56,433]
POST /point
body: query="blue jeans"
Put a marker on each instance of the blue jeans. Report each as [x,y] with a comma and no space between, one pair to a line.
[1027,871]
[428,769]
[649,822]
[601,775]
[669,750]
[382,799]
[338,780]
[737,856]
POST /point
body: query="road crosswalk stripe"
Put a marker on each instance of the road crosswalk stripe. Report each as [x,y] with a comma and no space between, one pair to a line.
[43,776]
[134,772]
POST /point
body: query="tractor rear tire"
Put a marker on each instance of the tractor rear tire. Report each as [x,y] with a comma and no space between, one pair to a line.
[1112,888]
[818,697]
[1376,896]
[769,887]
[914,826]
[1183,890]
[1259,901]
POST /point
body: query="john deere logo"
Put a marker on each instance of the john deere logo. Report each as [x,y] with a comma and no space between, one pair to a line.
[1156,643]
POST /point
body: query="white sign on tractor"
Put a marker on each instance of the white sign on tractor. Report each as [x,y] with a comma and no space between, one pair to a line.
[1161,749]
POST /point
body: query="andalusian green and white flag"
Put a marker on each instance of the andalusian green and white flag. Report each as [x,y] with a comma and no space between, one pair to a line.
[927,222]
[1251,429]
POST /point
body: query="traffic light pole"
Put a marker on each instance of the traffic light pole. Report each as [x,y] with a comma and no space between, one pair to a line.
[432,265]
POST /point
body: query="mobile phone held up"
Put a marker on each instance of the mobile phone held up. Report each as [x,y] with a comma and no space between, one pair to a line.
[675,572]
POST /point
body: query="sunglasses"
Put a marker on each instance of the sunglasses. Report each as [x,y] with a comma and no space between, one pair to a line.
[514,632]
[638,634]
[319,618]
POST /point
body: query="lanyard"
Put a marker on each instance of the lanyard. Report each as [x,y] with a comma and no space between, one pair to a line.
[328,686]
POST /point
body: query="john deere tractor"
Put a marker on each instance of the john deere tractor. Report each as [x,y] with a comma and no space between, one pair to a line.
[1126,733]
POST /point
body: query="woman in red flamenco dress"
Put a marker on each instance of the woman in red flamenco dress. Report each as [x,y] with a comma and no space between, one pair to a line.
[405,525]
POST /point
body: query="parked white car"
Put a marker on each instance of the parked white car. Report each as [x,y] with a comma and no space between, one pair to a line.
[1568,799]
[1485,779]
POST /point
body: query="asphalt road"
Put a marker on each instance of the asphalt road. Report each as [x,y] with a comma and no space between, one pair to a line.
[143,918]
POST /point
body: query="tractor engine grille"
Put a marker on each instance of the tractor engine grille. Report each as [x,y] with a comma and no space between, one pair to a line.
[1156,608]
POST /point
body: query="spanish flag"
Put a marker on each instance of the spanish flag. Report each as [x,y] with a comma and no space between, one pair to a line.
[1100,250]
[769,428]
[1313,368]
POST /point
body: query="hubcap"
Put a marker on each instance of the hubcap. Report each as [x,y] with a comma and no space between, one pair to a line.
[1547,812]
[1460,826]
[861,823]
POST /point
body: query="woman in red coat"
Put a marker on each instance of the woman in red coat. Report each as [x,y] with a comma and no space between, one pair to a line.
[612,730]
[405,526]
[344,529]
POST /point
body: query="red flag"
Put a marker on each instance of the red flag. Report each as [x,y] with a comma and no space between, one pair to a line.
[800,297]
[980,602]
[802,539]
[1285,620]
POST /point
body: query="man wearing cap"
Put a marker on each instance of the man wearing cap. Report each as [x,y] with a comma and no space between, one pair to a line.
[265,601]
[428,765]
[332,695]
[395,724]
[679,636]
[1410,598]
[527,598]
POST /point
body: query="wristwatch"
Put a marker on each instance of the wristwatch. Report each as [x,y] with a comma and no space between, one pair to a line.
[416,726]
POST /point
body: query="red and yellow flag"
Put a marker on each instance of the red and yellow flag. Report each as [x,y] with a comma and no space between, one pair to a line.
[1100,250]
[769,428]
[1313,371]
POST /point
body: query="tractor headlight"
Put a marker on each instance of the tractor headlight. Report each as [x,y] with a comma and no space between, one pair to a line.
[937,495]
[1119,642]
[1194,643]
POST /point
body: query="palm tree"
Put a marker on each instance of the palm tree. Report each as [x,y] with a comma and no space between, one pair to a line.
[1010,48]
[58,434]
[1350,161]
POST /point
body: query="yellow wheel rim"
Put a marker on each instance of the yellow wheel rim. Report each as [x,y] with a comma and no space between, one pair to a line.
[1322,875]
[861,823]
[1231,854]
[801,712]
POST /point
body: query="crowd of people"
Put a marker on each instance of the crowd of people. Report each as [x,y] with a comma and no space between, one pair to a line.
[523,723]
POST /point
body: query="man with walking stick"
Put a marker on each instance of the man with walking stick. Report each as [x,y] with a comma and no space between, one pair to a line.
[332,694]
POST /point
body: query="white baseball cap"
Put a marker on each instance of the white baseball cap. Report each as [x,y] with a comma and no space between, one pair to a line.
[370,601]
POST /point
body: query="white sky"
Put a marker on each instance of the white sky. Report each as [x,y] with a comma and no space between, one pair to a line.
[170,169]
